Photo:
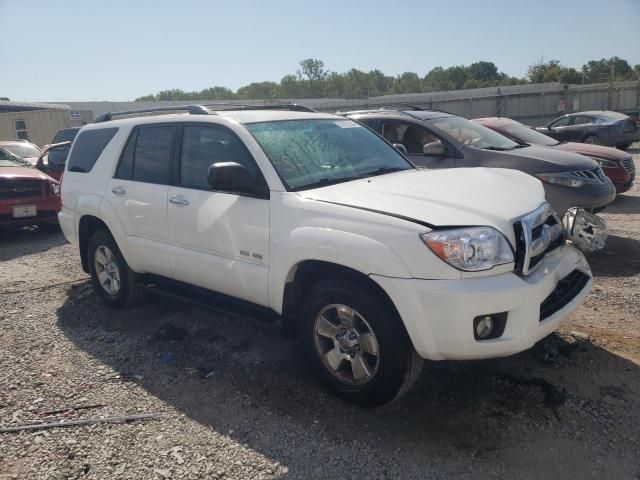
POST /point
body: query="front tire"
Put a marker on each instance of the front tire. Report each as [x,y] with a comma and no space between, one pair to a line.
[112,278]
[356,343]
[592,140]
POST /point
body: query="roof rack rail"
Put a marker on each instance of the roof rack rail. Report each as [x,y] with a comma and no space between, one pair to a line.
[192,109]
[295,107]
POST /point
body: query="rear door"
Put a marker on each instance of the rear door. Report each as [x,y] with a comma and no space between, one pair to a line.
[221,238]
[138,193]
[578,128]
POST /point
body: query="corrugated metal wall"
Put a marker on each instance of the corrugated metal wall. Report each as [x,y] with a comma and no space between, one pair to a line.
[533,104]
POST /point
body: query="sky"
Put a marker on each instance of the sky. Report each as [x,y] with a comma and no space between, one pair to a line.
[86,50]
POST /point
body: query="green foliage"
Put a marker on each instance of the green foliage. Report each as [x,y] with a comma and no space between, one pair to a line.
[312,80]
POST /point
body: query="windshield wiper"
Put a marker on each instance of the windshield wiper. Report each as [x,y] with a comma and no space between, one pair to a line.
[522,145]
[383,170]
[496,149]
[326,181]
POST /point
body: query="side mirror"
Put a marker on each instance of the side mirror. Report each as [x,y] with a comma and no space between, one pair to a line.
[401,148]
[230,177]
[434,149]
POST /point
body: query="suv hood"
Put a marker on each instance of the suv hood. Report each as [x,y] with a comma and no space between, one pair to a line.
[599,151]
[439,198]
[15,173]
[549,159]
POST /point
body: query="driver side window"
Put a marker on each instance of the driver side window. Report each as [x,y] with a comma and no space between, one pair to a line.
[411,136]
[203,145]
[561,122]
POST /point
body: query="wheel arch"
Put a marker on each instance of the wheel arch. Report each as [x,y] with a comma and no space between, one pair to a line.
[305,273]
[87,225]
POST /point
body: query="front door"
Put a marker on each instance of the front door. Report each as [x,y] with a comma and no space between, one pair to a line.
[221,239]
[138,193]
[414,138]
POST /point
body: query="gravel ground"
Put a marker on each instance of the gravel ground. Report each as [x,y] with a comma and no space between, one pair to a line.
[235,400]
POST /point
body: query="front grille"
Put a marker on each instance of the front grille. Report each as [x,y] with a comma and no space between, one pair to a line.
[594,175]
[565,291]
[628,165]
[20,188]
[537,234]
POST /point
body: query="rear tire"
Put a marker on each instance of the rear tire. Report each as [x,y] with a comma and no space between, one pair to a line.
[112,278]
[356,343]
[592,140]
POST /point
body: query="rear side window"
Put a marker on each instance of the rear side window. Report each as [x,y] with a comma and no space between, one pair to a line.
[147,155]
[88,147]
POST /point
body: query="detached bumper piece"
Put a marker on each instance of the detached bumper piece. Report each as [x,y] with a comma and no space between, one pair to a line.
[587,231]
[565,291]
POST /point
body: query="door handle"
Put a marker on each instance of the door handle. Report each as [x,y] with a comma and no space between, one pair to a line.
[118,191]
[179,200]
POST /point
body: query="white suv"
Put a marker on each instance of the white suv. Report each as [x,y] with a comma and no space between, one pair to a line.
[320,223]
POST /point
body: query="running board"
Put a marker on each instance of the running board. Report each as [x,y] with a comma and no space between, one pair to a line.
[218,302]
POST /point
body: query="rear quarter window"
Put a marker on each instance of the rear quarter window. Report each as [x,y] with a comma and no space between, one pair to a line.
[87,147]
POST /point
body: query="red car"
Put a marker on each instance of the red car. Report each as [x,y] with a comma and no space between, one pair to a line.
[616,164]
[27,196]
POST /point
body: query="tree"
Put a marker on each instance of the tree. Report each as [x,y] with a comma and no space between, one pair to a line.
[313,69]
[259,90]
[408,82]
[291,87]
[216,93]
[483,71]
[598,70]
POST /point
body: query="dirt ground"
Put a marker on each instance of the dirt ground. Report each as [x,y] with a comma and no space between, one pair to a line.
[235,400]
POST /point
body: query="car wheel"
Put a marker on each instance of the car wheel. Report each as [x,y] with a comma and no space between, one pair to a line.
[356,343]
[112,278]
[592,140]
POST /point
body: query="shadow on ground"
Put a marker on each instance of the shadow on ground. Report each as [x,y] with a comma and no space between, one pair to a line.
[624,204]
[619,258]
[252,384]
[27,241]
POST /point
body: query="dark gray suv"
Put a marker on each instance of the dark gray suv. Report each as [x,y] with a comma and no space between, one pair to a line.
[436,139]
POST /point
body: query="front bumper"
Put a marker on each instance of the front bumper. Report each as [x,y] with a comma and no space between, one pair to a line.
[587,197]
[47,210]
[438,314]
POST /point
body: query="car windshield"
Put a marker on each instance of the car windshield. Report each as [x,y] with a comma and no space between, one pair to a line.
[314,153]
[22,150]
[525,134]
[8,159]
[472,134]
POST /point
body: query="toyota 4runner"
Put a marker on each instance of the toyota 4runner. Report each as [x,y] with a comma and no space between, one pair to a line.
[319,223]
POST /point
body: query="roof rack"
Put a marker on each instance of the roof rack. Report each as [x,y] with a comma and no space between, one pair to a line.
[204,110]
[192,109]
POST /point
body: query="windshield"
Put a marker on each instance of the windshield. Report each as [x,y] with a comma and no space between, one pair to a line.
[22,150]
[8,159]
[528,135]
[312,153]
[472,134]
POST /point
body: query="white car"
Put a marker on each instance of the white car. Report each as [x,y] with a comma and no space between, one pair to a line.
[320,223]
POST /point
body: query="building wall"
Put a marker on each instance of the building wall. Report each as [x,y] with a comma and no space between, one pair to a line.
[41,125]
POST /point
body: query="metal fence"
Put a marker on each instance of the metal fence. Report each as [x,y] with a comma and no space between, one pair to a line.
[533,104]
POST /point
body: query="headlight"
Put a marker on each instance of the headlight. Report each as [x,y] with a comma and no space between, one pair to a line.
[560,178]
[55,188]
[605,163]
[471,249]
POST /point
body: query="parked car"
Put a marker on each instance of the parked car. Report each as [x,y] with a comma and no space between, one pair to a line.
[314,221]
[27,196]
[53,160]
[22,148]
[435,139]
[612,129]
[616,165]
